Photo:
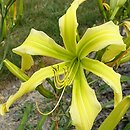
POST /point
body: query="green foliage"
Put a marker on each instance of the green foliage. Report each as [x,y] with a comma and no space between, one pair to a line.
[41,123]
[127,126]
[116,10]
[5,7]
[116,115]
[8,19]
[25,117]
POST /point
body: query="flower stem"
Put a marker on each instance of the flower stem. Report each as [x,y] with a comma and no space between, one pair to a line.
[101,9]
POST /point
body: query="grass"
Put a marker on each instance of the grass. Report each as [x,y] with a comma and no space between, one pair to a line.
[44,14]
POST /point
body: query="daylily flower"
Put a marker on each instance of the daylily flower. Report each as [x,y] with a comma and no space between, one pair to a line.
[85,106]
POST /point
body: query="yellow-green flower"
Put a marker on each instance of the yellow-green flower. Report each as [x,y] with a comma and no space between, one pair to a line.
[85,106]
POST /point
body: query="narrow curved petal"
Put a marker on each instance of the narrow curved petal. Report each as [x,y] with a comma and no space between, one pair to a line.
[97,38]
[38,43]
[110,52]
[107,74]
[27,62]
[31,84]
[85,106]
[68,26]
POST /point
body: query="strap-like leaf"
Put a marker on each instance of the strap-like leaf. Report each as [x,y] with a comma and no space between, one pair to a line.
[116,115]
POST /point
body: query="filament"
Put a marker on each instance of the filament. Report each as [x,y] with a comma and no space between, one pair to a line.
[60,83]
[45,114]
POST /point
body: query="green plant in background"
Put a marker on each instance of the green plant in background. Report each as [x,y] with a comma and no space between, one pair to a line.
[11,10]
[5,8]
[109,11]
[20,10]
[4,11]
[115,5]
[9,16]
[16,12]
[118,12]
[25,116]
[85,106]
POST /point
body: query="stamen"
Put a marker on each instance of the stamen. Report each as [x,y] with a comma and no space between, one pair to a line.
[69,73]
[60,83]
[45,114]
